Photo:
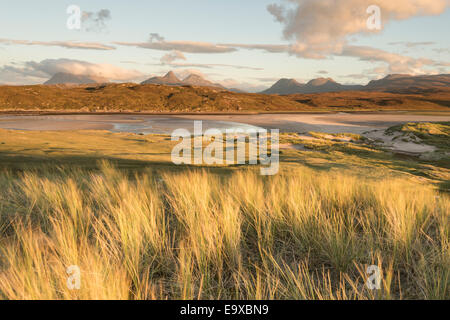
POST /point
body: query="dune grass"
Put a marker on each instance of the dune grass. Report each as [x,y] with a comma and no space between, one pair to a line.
[435,134]
[195,234]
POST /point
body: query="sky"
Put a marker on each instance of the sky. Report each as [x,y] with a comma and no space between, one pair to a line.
[241,44]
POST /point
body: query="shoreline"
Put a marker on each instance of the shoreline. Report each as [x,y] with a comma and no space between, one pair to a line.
[330,122]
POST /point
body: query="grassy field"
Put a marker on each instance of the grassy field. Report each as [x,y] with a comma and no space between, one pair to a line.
[196,234]
[139,228]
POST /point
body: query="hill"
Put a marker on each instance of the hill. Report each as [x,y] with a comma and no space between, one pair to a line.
[129,97]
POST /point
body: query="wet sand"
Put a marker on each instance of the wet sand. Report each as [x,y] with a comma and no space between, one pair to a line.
[300,123]
[329,123]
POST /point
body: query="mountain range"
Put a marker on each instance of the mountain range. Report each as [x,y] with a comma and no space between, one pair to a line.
[171,79]
[392,83]
[291,86]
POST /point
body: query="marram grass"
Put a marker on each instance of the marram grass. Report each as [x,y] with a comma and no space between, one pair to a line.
[302,234]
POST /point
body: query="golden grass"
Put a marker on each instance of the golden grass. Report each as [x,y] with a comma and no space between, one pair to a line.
[84,146]
[302,234]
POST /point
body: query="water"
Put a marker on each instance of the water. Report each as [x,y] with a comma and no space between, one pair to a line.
[114,123]
[157,124]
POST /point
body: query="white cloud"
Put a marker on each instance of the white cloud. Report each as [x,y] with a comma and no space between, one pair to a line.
[244,86]
[182,74]
[412,44]
[212,65]
[442,50]
[157,42]
[35,72]
[63,44]
[171,57]
[396,63]
[320,28]
[271,48]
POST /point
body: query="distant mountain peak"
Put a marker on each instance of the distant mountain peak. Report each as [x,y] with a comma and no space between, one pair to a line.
[171,75]
[288,81]
[290,86]
[320,81]
[284,86]
[191,80]
[197,80]
[169,79]
[193,76]
[69,78]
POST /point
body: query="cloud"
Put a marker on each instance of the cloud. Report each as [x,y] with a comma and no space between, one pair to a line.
[319,28]
[268,79]
[63,44]
[95,21]
[396,63]
[412,44]
[356,76]
[252,85]
[442,64]
[380,72]
[156,37]
[213,65]
[34,72]
[244,86]
[369,74]
[442,50]
[271,48]
[278,11]
[171,57]
[157,42]
[11,75]
[182,74]
[182,46]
